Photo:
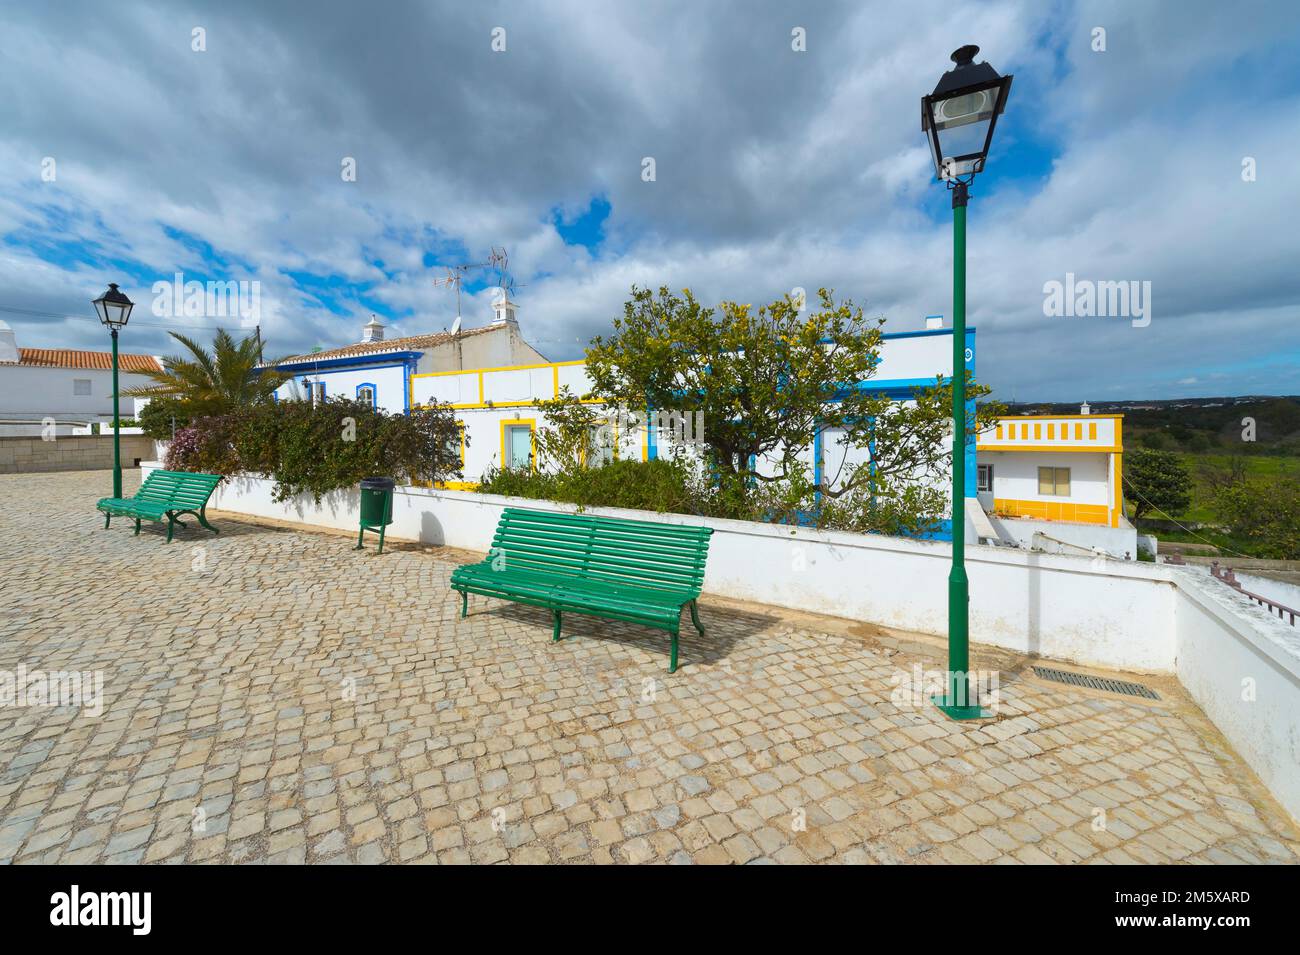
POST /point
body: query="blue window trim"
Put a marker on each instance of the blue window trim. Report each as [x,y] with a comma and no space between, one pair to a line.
[408,369]
[374,392]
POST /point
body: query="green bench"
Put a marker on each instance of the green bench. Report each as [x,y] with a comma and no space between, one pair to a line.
[635,571]
[165,494]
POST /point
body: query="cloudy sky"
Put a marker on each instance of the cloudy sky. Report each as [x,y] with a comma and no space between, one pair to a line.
[129,155]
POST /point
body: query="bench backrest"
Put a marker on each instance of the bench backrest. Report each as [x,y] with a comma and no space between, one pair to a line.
[183,490]
[609,549]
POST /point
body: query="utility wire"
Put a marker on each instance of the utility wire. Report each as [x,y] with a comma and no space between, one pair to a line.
[1174,521]
[87,318]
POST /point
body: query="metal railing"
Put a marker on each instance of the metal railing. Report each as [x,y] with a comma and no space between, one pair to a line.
[1228,577]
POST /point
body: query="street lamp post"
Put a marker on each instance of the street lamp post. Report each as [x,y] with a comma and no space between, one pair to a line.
[114,309]
[958,118]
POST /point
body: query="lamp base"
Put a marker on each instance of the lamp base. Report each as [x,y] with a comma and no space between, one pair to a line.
[964,711]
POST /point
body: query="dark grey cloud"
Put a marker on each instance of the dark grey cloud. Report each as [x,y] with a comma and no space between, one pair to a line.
[775,169]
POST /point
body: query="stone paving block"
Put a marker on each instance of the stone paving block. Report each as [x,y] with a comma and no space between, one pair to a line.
[277,716]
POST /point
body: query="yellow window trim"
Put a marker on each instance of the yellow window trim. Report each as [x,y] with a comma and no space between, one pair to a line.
[532,439]
[471,371]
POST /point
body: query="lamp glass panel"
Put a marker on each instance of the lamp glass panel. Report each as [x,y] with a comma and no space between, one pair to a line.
[964,138]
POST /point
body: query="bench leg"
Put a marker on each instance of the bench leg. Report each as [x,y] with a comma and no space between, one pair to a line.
[695,618]
[203,519]
[137,527]
[464,603]
[171,522]
[555,634]
[672,659]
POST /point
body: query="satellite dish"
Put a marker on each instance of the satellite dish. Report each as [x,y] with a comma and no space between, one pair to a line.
[455,326]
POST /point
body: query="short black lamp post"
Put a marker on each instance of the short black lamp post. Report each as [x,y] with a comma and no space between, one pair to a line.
[114,309]
[959,117]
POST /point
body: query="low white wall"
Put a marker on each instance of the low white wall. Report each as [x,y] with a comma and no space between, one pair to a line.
[1123,615]
[1116,541]
[1069,608]
[1243,668]
[1286,594]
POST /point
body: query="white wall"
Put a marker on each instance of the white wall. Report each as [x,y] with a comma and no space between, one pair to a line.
[1124,615]
[1115,614]
[1284,593]
[28,391]
[1242,667]
[1116,541]
[390,383]
[1015,475]
[920,356]
[483,429]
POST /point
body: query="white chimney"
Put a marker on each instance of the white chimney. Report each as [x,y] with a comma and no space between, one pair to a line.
[1085,408]
[373,331]
[933,321]
[504,310]
[8,344]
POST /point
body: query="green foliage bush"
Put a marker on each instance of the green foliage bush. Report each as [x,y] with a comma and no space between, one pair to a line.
[668,485]
[157,417]
[662,485]
[1265,513]
[207,445]
[1157,481]
[319,448]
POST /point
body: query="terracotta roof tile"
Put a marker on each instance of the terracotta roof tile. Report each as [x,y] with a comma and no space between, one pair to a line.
[410,343]
[98,360]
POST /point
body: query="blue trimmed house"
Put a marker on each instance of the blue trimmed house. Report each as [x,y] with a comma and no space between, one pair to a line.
[379,370]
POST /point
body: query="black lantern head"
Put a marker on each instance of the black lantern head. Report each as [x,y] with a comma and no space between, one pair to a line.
[113,307]
[960,114]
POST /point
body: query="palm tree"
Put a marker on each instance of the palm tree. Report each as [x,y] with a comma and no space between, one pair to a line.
[216,382]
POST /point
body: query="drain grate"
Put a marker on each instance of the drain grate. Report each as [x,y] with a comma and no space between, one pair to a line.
[1096,683]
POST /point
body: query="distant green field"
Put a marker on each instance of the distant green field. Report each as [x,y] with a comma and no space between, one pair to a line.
[1272,468]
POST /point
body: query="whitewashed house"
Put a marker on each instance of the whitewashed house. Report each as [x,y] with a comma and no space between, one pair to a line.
[381,370]
[1055,483]
[497,406]
[72,386]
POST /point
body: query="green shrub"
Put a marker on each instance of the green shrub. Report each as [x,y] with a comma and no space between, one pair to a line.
[1266,513]
[207,445]
[106,427]
[160,415]
[319,448]
[673,486]
[661,485]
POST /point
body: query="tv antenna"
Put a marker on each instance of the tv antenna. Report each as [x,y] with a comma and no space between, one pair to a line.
[498,261]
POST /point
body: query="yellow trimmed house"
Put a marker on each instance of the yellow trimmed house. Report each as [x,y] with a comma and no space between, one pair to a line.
[1060,476]
[497,407]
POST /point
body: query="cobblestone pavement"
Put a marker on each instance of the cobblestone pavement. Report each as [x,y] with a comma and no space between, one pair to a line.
[271,695]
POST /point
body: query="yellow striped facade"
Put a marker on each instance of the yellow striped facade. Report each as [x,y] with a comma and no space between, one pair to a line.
[1075,434]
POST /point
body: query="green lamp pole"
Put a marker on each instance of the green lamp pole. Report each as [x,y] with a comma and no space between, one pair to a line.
[958,118]
[114,309]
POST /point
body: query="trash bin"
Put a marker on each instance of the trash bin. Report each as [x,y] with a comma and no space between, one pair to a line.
[376,507]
